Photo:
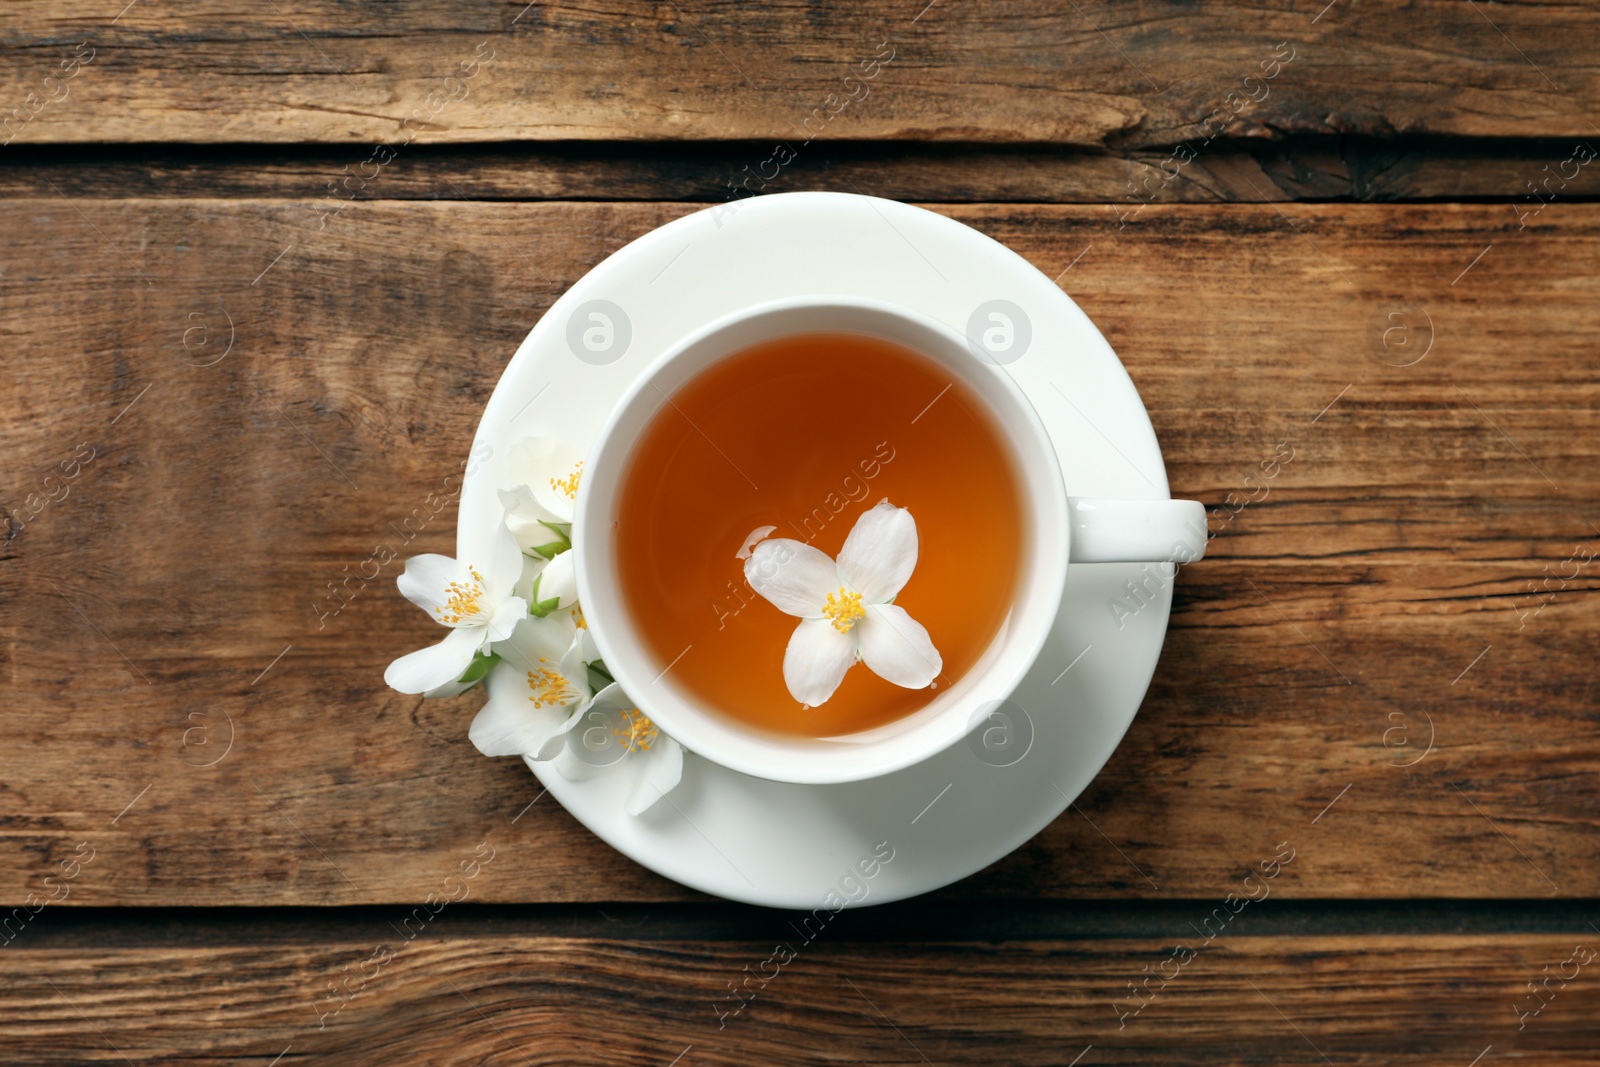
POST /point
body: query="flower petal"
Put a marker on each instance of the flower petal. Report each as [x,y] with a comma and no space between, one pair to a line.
[791,574]
[881,552]
[605,705]
[897,647]
[512,725]
[559,581]
[566,762]
[602,712]
[538,643]
[453,688]
[532,567]
[506,617]
[755,536]
[573,661]
[591,743]
[426,583]
[526,518]
[558,742]
[656,773]
[436,665]
[504,566]
[545,461]
[589,652]
[816,659]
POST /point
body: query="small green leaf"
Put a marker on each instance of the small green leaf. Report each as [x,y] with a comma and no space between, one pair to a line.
[562,542]
[553,549]
[540,608]
[480,666]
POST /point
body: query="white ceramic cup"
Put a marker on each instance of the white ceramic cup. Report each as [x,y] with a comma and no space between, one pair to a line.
[1057,528]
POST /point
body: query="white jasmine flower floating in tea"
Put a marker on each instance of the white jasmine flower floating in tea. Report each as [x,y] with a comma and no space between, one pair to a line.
[847,608]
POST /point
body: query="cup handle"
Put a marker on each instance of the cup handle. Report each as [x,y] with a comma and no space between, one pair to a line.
[1137,531]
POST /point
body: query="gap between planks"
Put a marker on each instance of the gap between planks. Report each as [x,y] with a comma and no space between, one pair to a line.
[925,921]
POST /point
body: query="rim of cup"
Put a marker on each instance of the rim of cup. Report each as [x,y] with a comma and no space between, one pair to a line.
[948,716]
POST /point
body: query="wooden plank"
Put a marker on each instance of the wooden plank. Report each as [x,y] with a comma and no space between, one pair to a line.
[1386,572]
[1113,74]
[1251,171]
[514,999]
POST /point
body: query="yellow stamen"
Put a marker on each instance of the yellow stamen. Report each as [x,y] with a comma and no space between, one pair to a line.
[637,732]
[844,608]
[549,688]
[569,485]
[461,599]
[577,617]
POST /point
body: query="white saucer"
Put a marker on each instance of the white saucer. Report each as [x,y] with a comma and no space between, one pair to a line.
[798,846]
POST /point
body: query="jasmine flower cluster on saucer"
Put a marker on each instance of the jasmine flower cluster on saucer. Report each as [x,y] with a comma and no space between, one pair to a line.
[516,626]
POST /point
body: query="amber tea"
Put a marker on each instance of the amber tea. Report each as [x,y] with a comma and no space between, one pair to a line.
[805,434]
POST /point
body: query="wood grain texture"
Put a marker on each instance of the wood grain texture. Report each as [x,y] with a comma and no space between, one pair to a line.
[1250,171]
[178,582]
[519,1000]
[219,398]
[1105,74]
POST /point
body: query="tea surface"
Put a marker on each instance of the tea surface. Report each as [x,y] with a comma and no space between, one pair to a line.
[804,434]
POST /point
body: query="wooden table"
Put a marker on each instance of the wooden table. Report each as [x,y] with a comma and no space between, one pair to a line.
[244,346]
